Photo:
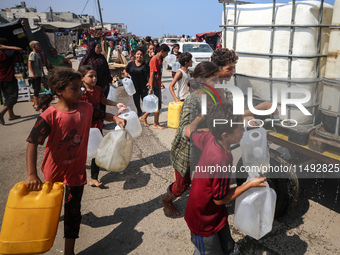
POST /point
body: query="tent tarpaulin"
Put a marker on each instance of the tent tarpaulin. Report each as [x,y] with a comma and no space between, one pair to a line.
[16,34]
[65,25]
[211,38]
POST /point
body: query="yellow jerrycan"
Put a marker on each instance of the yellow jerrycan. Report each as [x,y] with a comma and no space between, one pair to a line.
[31,219]
[174,112]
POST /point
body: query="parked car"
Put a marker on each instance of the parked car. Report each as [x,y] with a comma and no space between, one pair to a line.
[170,41]
[200,52]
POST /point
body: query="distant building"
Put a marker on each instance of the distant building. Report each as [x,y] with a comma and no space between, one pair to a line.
[36,18]
[116,26]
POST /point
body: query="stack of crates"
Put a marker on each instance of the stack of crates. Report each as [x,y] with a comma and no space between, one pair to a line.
[24,91]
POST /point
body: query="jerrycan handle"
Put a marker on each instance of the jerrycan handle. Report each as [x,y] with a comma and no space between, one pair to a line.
[46,187]
[121,126]
[149,87]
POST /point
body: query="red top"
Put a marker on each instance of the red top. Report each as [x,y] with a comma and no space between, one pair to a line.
[94,97]
[7,65]
[203,216]
[156,67]
[66,148]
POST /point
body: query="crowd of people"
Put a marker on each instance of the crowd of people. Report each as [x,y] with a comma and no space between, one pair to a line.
[82,100]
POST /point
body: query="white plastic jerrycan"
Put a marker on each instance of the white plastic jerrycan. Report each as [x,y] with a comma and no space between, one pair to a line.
[133,125]
[166,96]
[129,87]
[254,147]
[94,140]
[150,103]
[176,66]
[115,150]
[112,94]
[171,58]
[254,211]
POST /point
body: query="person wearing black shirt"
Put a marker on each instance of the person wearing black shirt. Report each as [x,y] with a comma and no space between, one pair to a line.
[139,71]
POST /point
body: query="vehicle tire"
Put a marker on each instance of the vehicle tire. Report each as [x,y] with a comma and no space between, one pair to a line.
[286,185]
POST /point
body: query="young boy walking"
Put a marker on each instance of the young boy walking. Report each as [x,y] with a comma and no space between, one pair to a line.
[182,78]
[36,60]
[155,82]
[206,214]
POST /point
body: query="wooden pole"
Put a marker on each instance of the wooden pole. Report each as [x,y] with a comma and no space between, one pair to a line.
[100,14]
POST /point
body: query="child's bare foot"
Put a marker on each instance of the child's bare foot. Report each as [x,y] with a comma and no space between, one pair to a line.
[158,126]
[169,207]
[144,121]
[95,183]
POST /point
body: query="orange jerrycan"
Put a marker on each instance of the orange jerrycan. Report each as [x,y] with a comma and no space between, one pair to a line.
[31,219]
[174,112]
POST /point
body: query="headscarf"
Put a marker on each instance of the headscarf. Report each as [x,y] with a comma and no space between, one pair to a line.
[98,63]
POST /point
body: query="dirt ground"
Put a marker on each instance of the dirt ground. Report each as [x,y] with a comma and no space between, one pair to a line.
[127,216]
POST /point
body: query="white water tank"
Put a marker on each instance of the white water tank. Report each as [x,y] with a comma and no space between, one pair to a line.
[254,68]
[330,102]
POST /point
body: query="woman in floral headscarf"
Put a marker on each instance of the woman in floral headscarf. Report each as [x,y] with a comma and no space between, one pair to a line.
[94,58]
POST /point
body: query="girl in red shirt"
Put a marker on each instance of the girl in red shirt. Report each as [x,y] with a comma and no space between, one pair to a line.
[67,125]
[94,95]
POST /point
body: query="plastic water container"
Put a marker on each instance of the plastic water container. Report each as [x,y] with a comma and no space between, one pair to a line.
[115,151]
[176,66]
[254,211]
[150,103]
[254,147]
[94,140]
[171,59]
[166,96]
[174,113]
[112,94]
[31,219]
[21,83]
[133,125]
[129,87]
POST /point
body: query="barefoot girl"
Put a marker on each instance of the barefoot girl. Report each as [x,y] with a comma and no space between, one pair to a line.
[180,147]
[94,95]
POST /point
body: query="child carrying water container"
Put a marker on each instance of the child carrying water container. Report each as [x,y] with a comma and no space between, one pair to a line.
[94,95]
[180,147]
[206,214]
[181,78]
[66,125]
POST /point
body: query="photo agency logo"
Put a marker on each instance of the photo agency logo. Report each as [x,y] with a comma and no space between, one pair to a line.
[289,96]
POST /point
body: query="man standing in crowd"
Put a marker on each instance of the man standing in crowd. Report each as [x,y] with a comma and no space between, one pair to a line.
[8,82]
[146,44]
[133,45]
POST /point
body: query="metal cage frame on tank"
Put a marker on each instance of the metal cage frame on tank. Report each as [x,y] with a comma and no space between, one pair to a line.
[276,58]
[298,146]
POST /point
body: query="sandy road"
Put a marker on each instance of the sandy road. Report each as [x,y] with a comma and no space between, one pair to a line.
[127,217]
